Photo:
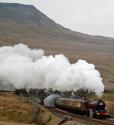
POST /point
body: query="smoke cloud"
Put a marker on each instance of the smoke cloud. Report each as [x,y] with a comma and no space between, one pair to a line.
[25,67]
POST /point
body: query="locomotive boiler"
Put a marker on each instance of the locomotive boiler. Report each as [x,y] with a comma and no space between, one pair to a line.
[91,108]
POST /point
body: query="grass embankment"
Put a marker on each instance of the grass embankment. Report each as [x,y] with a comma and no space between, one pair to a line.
[14,110]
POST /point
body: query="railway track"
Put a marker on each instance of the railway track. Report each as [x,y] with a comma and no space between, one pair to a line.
[73,116]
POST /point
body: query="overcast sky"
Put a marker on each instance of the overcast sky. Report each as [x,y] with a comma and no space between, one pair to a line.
[88,16]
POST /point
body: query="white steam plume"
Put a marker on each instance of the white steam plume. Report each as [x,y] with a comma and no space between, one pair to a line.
[25,67]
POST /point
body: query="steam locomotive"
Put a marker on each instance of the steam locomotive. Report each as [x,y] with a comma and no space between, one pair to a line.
[91,108]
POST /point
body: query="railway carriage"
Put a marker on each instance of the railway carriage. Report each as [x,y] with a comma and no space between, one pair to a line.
[69,103]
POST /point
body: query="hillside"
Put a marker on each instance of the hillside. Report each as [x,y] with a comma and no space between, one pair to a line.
[24,23]
[23,112]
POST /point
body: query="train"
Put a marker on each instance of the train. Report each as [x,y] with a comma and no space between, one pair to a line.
[88,107]
[91,108]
